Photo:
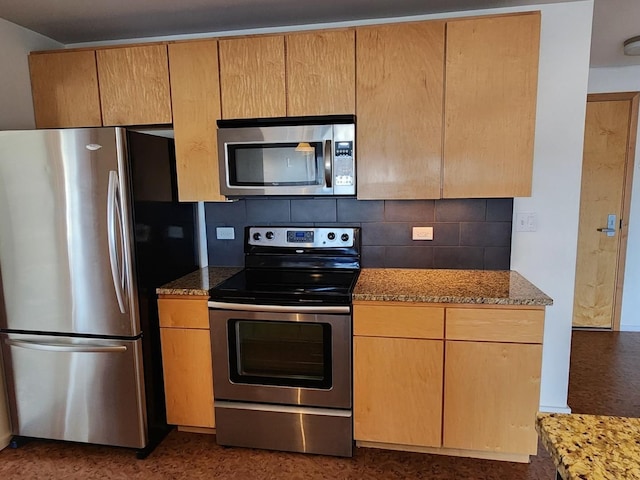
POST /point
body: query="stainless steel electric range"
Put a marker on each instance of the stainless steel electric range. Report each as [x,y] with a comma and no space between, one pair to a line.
[281,334]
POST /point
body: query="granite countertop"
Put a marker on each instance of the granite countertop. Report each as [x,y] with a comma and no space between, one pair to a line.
[592,446]
[198,282]
[496,287]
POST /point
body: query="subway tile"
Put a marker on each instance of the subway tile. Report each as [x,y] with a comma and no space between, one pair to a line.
[225,212]
[386,234]
[458,257]
[485,234]
[372,257]
[499,209]
[352,210]
[317,210]
[409,210]
[462,210]
[268,211]
[497,258]
[409,257]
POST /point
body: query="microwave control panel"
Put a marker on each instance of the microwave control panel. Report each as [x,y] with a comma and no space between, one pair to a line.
[343,164]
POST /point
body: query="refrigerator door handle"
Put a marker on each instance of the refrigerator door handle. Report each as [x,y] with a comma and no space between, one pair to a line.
[114,215]
[59,347]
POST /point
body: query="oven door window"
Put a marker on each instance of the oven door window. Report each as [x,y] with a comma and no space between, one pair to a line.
[279,164]
[292,354]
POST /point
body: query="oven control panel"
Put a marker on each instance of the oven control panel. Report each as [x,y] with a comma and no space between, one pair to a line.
[308,237]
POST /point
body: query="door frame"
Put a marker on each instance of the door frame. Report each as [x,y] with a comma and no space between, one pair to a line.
[633,98]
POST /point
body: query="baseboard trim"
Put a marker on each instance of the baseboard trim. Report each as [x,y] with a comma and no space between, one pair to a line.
[5,439]
[629,328]
[452,452]
[209,431]
[554,409]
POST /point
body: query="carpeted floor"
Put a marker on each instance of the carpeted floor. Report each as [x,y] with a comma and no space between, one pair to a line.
[602,380]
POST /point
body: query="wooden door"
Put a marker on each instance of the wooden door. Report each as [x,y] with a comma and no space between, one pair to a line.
[321,73]
[607,171]
[252,77]
[188,379]
[490,106]
[399,71]
[398,390]
[491,396]
[195,100]
[64,86]
[134,85]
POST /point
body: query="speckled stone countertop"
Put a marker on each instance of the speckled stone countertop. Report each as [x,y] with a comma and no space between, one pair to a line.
[592,446]
[497,287]
[198,282]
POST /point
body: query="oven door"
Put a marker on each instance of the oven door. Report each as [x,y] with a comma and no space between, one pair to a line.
[266,354]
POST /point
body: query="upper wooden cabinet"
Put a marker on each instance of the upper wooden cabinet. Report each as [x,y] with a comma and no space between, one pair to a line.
[134,85]
[400,75]
[64,86]
[195,99]
[321,72]
[490,105]
[252,77]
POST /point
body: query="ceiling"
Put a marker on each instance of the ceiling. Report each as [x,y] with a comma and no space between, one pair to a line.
[80,21]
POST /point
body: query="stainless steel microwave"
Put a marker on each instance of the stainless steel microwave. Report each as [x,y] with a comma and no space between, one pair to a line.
[287,156]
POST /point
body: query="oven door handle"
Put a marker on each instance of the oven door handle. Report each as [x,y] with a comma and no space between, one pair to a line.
[250,307]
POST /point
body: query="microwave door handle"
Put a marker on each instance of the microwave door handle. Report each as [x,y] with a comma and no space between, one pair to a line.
[328,161]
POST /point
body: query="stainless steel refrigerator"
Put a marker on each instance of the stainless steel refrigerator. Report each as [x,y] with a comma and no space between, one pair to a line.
[89,226]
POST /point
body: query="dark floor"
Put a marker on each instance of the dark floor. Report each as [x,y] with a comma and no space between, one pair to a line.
[603,380]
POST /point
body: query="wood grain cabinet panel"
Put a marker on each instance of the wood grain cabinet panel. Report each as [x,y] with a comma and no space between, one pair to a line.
[64,86]
[195,99]
[400,75]
[491,396]
[398,391]
[186,361]
[134,85]
[321,73]
[188,381]
[495,325]
[252,77]
[490,105]
[382,319]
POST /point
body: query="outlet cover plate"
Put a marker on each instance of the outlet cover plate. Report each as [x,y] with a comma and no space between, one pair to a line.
[422,233]
[225,233]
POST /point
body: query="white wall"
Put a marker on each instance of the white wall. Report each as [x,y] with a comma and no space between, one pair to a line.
[16,112]
[547,256]
[626,79]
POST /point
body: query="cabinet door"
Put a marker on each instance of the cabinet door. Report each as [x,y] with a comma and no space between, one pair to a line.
[399,70]
[134,85]
[188,378]
[252,83]
[321,73]
[490,106]
[397,394]
[64,86]
[195,98]
[491,396]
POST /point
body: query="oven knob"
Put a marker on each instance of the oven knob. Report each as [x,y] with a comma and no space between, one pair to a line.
[269,235]
[331,236]
[256,236]
[344,237]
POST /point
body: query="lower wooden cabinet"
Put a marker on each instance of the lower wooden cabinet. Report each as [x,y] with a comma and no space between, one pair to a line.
[186,361]
[457,380]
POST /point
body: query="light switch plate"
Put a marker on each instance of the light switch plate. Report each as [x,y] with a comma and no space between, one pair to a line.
[422,233]
[225,233]
[526,222]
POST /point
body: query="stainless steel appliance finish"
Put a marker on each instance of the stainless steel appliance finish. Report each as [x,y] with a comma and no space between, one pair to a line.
[77,294]
[49,369]
[287,156]
[281,342]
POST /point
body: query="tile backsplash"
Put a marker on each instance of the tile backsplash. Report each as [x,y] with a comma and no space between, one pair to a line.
[467,233]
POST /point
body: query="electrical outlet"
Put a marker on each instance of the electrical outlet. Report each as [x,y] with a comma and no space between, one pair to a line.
[422,233]
[225,233]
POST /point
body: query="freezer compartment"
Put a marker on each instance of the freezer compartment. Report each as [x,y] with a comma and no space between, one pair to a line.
[76,389]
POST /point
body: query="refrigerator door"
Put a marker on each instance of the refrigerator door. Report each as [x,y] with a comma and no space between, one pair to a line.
[66,247]
[76,389]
